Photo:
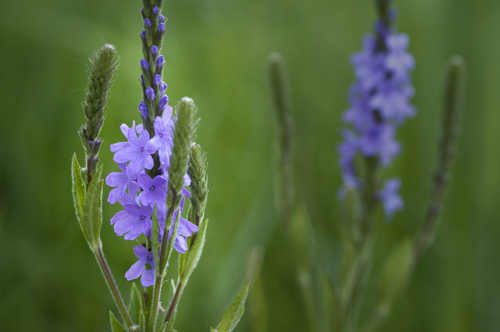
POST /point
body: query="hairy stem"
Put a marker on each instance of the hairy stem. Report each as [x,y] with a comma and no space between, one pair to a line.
[112,286]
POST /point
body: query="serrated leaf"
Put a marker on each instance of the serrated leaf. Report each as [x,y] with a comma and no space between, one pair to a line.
[135,305]
[194,254]
[78,189]
[115,325]
[396,271]
[235,311]
[92,208]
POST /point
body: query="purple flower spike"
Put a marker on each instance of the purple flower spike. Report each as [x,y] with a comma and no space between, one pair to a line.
[143,110]
[154,50]
[145,266]
[156,10]
[163,88]
[379,103]
[147,23]
[160,61]
[154,190]
[161,28]
[144,65]
[390,198]
[143,34]
[150,93]
[161,18]
[133,221]
[157,80]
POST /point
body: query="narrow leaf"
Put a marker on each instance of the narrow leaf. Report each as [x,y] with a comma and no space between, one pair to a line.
[92,208]
[235,311]
[194,254]
[115,325]
[78,189]
[162,327]
[212,329]
[135,306]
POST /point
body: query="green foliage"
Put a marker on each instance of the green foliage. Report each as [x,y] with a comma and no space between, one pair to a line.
[197,170]
[88,204]
[234,312]
[194,253]
[396,271]
[135,305]
[184,135]
[101,72]
[115,325]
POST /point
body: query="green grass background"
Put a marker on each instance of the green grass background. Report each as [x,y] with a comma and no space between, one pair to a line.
[216,53]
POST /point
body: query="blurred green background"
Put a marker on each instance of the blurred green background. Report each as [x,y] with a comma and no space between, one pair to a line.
[216,52]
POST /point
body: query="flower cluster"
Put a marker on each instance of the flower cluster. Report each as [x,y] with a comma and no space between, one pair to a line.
[379,104]
[138,192]
[144,160]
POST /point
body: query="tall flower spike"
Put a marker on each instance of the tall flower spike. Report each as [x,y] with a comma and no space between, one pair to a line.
[379,104]
[184,135]
[152,64]
[101,72]
[199,182]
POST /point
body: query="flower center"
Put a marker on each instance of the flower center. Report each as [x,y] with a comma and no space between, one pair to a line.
[142,149]
[150,258]
[161,135]
[152,188]
[143,217]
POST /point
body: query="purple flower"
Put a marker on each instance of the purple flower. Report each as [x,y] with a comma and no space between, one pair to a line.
[143,34]
[160,61]
[398,60]
[133,221]
[163,87]
[143,110]
[156,10]
[121,181]
[144,64]
[390,198]
[150,93]
[138,151]
[184,230]
[161,28]
[163,103]
[154,50]
[163,138]
[145,266]
[147,22]
[154,190]
[161,18]
[157,80]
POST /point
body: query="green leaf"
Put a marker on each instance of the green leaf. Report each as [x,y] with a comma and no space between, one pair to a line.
[115,326]
[235,311]
[212,329]
[396,272]
[92,209]
[194,254]
[135,306]
[162,327]
[78,189]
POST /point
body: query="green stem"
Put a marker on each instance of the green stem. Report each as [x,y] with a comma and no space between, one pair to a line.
[173,303]
[112,286]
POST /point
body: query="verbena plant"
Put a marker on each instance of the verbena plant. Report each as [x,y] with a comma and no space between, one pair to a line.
[161,169]
[379,105]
